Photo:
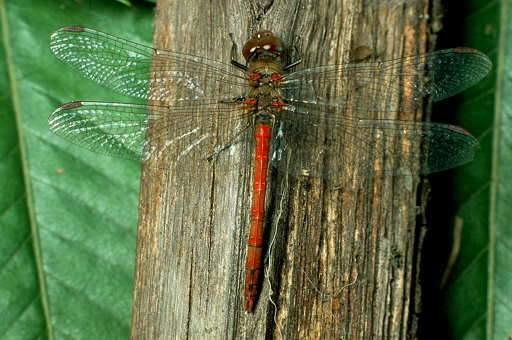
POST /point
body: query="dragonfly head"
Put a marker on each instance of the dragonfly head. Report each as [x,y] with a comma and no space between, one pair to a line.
[262,45]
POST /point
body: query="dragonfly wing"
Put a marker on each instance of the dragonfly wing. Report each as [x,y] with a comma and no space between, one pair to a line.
[196,130]
[141,71]
[373,147]
[359,89]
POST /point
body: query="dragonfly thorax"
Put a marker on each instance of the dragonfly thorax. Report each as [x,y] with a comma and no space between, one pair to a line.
[263,73]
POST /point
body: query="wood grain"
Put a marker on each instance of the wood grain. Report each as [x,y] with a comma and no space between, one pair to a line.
[343,259]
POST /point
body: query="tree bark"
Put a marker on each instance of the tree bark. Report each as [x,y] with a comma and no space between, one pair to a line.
[341,261]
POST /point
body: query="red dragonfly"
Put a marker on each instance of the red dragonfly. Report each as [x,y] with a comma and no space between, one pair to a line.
[315,118]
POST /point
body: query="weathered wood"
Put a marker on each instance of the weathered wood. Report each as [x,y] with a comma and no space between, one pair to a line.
[342,261]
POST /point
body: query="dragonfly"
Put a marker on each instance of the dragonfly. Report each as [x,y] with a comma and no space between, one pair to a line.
[309,121]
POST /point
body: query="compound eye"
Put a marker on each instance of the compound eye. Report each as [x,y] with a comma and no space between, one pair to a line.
[267,47]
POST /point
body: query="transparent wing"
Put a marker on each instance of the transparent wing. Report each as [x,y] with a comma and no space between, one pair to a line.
[140,71]
[322,148]
[177,132]
[360,89]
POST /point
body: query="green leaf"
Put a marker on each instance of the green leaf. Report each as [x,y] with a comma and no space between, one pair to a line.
[19,294]
[69,218]
[20,303]
[125,2]
[478,297]
[500,280]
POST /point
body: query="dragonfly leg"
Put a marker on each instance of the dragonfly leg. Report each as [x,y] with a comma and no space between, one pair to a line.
[234,100]
[230,143]
[296,62]
[234,53]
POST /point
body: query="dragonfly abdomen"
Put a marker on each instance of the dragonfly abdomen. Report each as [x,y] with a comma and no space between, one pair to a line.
[254,262]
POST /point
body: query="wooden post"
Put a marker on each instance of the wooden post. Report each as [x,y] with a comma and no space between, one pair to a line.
[343,260]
